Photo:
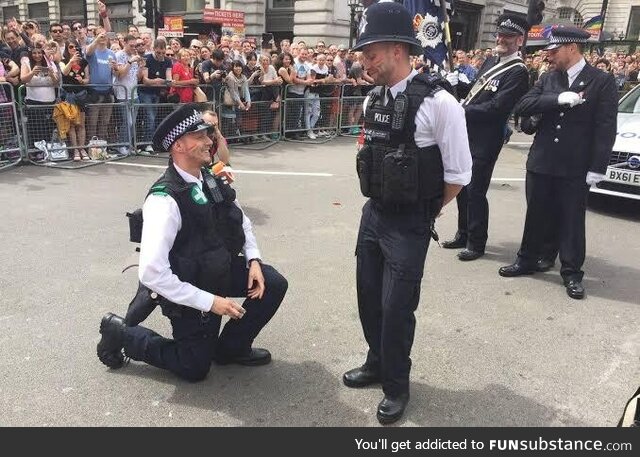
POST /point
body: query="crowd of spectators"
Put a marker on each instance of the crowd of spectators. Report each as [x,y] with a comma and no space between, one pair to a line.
[98,71]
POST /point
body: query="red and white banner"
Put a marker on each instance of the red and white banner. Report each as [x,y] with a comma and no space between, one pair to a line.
[226,18]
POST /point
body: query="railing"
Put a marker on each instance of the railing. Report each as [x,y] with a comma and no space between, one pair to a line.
[86,125]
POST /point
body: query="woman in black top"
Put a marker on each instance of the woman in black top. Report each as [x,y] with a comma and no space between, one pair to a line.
[75,76]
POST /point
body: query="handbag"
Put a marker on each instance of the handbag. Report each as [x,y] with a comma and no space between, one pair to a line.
[97,149]
[227,100]
[199,96]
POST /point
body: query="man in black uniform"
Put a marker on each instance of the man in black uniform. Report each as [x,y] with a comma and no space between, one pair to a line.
[575,108]
[500,83]
[193,233]
[415,160]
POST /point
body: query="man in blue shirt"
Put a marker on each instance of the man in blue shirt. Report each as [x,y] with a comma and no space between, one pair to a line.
[102,62]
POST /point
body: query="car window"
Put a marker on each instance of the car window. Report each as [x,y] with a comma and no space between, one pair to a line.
[631,104]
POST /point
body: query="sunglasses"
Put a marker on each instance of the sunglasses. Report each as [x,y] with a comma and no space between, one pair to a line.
[169,55]
[71,46]
[77,27]
[139,44]
[56,31]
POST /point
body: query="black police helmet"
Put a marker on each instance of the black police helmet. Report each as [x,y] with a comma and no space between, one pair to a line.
[388,21]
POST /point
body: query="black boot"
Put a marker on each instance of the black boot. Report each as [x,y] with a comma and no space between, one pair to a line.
[391,408]
[110,345]
[458,242]
[361,377]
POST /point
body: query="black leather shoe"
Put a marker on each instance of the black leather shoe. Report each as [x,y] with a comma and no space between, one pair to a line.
[255,357]
[458,242]
[468,254]
[575,289]
[110,346]
[513,270]
[391,409]
[544,265]
[361,377]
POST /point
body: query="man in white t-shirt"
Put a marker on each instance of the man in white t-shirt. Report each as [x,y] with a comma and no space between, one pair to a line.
[125,81]
[301,79]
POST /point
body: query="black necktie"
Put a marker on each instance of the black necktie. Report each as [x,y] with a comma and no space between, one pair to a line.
[389,97]
[564,80]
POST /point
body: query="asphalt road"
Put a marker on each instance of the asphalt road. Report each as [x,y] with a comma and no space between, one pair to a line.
[488,351]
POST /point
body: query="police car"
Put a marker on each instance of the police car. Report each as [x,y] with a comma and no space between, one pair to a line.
[623,173]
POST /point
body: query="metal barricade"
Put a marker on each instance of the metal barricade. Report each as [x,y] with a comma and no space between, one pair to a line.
[149,108]
[351,112]
[314,116]
[257,128]
[10,138]
[84,126]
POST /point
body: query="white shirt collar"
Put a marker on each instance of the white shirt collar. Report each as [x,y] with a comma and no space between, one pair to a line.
[574,71]
[188,177]
[402,85]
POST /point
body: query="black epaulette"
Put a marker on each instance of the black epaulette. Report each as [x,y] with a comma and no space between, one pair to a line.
[434,82]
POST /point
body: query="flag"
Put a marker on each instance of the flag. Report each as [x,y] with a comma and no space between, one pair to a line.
[428,22]
[594,26]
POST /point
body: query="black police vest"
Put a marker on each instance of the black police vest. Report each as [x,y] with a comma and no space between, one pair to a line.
[391,167]
[211,234]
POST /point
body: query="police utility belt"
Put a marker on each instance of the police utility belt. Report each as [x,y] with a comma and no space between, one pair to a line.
[489,76]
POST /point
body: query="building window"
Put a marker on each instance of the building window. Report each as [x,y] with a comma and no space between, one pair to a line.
[72,11]
[633,31]
[10,11]
[571,15]
[280,4]
[39,12]
[189,6]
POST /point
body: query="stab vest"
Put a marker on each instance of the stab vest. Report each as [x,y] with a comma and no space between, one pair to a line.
[390,166]
[211,234]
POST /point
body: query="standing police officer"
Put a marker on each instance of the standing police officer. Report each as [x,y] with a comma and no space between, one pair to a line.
[415,160]
[193,232]
[499,85]
[575,108]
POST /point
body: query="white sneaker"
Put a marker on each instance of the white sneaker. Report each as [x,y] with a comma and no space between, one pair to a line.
[123,151]
[149,148]
[311,135]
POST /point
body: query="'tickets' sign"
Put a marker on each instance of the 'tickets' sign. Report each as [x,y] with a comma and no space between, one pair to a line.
[226,18]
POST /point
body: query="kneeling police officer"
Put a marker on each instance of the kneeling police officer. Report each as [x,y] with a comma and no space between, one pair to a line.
[193,233]
[415,160]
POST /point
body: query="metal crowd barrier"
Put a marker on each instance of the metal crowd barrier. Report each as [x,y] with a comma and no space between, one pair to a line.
[94,124]
[35,133]
[351,112]
[312,117]
[10,138]
[257,128]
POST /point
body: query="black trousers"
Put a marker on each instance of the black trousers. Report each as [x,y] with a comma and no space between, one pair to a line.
[195,335]
[391,251]
[556,209]
[473,206]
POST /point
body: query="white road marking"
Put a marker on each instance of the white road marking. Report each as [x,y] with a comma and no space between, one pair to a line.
[519,143]
[247,172]
[275,173]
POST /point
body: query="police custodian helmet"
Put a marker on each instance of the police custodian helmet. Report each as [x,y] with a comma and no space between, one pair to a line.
[388,21]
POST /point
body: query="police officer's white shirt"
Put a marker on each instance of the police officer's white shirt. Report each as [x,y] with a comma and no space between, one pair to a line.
[440,120]
[575,70]
[162,221]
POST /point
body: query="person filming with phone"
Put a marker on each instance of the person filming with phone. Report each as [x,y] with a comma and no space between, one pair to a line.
[197,251]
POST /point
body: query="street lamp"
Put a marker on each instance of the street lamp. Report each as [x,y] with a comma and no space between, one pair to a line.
[356,9]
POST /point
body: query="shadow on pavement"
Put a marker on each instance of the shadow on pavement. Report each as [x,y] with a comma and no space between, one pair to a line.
[602,279]
[308,395]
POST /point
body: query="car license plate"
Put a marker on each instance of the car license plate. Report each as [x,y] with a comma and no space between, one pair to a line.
[624,176]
